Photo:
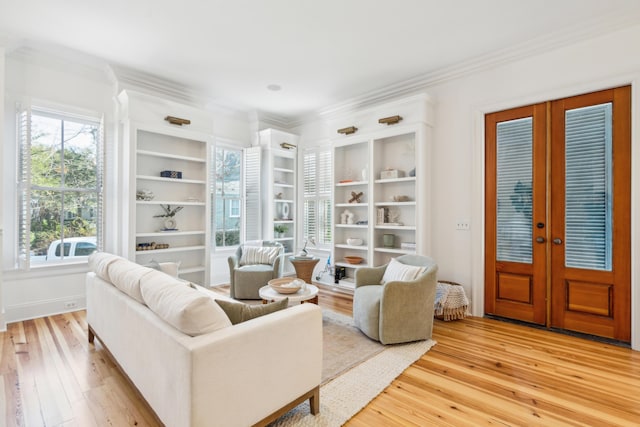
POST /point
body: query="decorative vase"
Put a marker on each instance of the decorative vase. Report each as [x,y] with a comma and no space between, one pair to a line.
[284,211]
[170,223]
[388,240]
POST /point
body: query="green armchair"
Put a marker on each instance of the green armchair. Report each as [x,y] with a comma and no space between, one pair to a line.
[399,310]
[262,261]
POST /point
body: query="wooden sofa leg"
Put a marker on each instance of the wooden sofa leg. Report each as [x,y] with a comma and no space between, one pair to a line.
[90,335]
[314,401]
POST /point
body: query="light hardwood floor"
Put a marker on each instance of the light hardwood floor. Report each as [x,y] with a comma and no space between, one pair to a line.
[481,372]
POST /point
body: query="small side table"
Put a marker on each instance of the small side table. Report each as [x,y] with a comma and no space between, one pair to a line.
[304,267]
[310,294]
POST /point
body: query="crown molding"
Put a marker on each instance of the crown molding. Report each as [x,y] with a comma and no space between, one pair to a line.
[130,79]
[275,120]
[57,57]
[139,81]
[551,41]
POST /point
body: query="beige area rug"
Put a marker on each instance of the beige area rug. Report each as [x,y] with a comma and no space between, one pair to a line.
[343,345]
[363,375]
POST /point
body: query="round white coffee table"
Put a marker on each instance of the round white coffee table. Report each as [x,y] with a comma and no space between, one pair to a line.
[310,294]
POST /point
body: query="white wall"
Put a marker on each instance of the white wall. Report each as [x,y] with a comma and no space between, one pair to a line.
[79,86]
[607,61]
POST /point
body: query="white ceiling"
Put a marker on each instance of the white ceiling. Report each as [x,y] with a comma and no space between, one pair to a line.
[321,52]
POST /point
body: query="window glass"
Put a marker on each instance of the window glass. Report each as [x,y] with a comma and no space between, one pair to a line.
[588,188]
[227,197]
[60,184]
[515,178]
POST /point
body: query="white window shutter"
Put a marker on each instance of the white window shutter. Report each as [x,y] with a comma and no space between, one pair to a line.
[24,179]
[252,207]
[318,184]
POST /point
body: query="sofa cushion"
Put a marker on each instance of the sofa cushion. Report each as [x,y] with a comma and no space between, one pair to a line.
[183,307]
[397,271]
[126,276]
[239,312]
[99,263]
[259,255]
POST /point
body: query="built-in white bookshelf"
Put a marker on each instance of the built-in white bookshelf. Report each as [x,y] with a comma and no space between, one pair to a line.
[389,166]
[157,150]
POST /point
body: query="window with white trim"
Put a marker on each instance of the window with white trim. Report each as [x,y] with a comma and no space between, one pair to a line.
[317,173]
[227,196]
[60,186]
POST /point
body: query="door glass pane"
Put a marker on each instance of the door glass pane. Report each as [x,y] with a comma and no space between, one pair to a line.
[514,192]
[588,187]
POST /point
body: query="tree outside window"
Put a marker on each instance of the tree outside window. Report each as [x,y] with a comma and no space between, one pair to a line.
[228,198]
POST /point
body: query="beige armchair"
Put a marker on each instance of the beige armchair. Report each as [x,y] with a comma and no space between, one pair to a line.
[252,266]
[398,310]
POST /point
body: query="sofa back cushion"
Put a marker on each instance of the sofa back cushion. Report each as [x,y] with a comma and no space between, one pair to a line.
[126,276]
[99,263]
[183,307]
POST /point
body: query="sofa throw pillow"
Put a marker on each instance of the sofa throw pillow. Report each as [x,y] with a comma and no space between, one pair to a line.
[186,309]
[239,312]
[259,255]
[171,268]
[397,271]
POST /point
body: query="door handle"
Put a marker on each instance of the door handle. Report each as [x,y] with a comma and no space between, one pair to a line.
[557,241]
[540,239]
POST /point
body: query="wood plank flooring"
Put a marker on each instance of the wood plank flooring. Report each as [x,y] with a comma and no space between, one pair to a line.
[481,372]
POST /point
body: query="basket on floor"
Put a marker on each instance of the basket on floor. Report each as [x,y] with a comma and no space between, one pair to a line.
[451,301]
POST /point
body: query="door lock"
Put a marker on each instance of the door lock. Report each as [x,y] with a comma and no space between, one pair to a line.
[540,239]
[557,241]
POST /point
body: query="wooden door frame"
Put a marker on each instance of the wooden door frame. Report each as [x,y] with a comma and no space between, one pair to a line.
[478,188]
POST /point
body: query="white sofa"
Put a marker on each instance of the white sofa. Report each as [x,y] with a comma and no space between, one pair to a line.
[240,375]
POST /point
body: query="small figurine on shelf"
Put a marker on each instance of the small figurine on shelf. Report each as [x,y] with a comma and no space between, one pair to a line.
[144,194]
[169,213]
[355,197]
[347,217]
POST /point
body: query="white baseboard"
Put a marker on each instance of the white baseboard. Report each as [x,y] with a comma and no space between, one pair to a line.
[33,310]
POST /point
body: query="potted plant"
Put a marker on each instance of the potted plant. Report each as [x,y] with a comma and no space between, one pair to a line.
[280,229]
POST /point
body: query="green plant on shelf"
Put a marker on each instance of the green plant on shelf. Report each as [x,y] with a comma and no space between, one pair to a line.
[280,228]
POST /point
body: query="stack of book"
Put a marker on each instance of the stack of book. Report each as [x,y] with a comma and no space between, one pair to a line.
[410,246]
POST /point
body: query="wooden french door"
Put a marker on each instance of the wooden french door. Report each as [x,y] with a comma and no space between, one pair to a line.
[557,209]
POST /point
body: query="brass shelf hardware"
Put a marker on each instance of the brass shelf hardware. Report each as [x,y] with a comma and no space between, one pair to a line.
[177,121]
[390,120]
[348,131]
[288,146]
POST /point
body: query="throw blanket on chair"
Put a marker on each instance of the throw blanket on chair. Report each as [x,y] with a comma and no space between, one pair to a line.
[451,302]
